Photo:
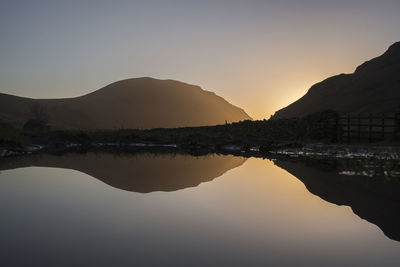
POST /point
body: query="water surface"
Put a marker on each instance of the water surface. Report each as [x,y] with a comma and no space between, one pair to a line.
[180,210]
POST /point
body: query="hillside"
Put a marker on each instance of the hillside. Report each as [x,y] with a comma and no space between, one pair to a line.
[139,103]
[374,87]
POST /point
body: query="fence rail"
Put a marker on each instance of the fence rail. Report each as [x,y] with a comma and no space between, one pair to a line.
[372,127]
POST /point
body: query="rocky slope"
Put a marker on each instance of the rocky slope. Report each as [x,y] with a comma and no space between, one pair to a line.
[374,87]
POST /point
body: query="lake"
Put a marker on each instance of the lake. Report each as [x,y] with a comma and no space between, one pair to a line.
[99,209]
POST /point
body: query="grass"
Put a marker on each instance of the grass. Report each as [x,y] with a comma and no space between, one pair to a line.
[313,128]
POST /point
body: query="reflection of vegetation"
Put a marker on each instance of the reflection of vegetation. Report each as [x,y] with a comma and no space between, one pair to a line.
[361,167]
[370,168]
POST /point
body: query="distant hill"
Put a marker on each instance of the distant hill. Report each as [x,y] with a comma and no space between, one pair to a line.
[374,87]
[134,103]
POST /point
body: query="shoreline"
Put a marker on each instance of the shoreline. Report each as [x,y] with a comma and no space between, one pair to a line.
[345,160]
[293,150]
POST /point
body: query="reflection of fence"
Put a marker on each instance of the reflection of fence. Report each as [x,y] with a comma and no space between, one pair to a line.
[369,128]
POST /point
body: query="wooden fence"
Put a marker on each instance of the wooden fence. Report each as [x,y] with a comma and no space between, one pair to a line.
[371,127]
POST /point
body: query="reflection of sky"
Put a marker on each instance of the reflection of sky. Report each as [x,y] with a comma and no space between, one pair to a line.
[260,55]
[254,214]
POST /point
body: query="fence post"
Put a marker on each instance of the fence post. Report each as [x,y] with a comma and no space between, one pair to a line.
[359,127]
[397,123]
[348,127]
[370,128]
[337,127]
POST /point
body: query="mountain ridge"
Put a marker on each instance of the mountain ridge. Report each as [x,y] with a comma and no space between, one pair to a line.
[373,87]
[131,103]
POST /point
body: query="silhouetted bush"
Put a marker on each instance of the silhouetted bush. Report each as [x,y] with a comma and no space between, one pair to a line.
[36,125]
[10,135]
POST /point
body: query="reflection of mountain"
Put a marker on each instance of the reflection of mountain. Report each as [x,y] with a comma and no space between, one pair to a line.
[139,173]
[373,199]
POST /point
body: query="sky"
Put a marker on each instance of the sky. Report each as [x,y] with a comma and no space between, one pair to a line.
[258,55]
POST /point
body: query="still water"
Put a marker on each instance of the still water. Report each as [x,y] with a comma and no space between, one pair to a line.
[180,210]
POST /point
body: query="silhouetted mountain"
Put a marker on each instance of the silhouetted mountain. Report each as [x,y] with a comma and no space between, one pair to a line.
[373,88]
[133,103]
[142,173]
[373,199]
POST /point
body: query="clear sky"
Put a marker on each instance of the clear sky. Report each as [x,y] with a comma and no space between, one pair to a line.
[259,55]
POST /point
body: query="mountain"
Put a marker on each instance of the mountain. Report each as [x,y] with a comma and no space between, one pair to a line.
[374,87]
[142,173]
[139,103]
